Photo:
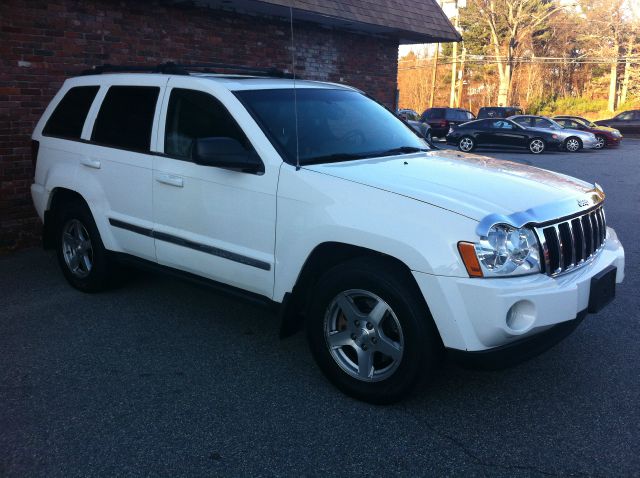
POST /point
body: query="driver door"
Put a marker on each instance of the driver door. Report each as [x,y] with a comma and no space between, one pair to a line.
[213,222]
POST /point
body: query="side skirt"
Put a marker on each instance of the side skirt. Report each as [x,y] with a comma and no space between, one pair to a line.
[225,289]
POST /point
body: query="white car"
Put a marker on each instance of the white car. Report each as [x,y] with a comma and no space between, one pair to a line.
[385,251]
[573,139]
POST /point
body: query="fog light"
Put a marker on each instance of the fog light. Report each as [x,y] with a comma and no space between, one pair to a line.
[521,316]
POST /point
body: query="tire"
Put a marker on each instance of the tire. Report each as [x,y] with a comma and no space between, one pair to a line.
[380,354]
[601,142]
[537,146]
[572,144]
[428,137]
[466,144]
[81,254]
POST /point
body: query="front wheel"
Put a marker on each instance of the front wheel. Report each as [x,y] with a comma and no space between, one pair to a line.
[601,142]
[537,146]
[370,331]
[466,144]
[573,145]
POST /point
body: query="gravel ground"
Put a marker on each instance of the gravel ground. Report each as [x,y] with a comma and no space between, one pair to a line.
[161,377]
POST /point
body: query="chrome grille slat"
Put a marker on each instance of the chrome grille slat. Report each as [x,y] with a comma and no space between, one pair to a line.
[573,244]
[570,243]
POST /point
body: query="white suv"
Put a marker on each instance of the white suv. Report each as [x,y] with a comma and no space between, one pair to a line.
[317,199]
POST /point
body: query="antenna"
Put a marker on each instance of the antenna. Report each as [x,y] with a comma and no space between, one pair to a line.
[295,94]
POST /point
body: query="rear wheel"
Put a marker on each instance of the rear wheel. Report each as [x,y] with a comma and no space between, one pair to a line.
[466,144]
[573,144]
[81,254]
[370,331]
[601,142]
[537,146]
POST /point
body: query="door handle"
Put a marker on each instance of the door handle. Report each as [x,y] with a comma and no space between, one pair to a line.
[90,163]
[171,180]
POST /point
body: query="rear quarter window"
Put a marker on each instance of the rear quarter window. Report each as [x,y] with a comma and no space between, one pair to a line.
[67,120]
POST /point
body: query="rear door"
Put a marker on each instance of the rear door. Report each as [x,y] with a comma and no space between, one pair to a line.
[210,221]
[116,167]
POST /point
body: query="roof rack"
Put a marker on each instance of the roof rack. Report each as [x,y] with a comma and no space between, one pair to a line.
[170,68]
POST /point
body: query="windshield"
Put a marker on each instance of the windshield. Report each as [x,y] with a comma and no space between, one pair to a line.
[333,125]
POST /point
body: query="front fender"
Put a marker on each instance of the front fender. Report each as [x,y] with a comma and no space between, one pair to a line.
[315,208]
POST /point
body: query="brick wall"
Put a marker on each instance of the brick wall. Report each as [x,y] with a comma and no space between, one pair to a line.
[44,42]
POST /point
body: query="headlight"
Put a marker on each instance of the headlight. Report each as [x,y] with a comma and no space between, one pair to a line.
[505,251]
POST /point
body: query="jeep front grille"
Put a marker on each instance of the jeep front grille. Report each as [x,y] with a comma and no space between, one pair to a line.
[571,243]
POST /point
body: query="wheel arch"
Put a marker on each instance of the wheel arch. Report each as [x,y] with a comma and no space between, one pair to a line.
[322,258]
[58,197]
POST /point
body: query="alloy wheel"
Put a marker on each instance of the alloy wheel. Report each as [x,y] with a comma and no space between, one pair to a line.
[572,145]
[77,249]
[363,335]
[600,142]
[536,146]
[466,144]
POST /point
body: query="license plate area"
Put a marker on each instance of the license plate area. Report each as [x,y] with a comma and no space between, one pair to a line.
[603,289]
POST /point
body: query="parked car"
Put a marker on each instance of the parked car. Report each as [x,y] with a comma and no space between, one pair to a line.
[408,115]
[499,111]
[627,122]
[573,140]
[502,133]
[339,217]
[441,119]
[608,137]
[413,119]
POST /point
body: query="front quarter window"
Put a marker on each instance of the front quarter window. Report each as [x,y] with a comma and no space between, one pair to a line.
[335,124]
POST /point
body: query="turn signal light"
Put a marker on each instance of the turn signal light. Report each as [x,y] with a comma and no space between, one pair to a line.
[468,253]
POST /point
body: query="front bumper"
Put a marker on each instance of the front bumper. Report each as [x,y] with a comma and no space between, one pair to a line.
[471,314]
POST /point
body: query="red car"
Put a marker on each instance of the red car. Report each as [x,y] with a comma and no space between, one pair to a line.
[609,137]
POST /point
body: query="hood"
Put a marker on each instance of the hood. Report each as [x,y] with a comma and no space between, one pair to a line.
[467,184]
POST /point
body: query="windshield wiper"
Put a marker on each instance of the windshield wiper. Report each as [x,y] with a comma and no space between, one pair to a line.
[402,150]
[334,158]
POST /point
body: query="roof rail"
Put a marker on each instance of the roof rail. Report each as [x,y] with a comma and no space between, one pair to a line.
[171,68]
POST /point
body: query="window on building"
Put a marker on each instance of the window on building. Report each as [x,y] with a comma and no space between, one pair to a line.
[67,120]
[125,119]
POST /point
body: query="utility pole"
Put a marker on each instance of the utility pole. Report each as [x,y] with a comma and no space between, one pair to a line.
[452,96]
[461,78]
[434,69]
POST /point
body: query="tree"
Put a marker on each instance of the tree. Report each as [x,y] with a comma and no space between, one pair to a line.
[508,24]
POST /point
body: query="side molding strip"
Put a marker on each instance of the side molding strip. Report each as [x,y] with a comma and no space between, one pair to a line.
[214,251]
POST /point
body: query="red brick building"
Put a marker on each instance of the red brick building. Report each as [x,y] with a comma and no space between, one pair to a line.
[44,42]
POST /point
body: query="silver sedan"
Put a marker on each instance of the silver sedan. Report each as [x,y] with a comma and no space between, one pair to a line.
[573,140]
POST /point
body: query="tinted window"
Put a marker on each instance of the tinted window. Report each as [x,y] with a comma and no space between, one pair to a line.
[523,121]
[126,117]
[434,113]
[501,124]
[67,120]
[626,116]
[194,114]
[456,115]
[333,124]
[542,123]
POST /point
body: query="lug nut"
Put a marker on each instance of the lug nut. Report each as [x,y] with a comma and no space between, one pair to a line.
[374,340]
[369,326]
[353,336]
[357,322]
[364,347]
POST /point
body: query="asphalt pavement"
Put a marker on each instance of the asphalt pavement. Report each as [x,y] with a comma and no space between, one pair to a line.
[164,378]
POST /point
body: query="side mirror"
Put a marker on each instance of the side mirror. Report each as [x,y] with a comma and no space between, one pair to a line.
[227,153]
